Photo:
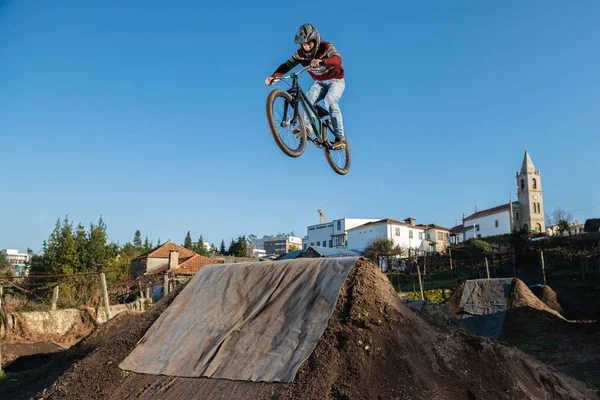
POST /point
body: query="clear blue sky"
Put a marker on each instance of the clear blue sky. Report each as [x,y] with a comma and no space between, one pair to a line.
[152,114]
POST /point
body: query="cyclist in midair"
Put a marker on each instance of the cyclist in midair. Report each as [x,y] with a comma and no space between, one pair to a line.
[326,70]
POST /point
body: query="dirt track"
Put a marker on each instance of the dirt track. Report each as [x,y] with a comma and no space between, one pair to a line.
[373,347]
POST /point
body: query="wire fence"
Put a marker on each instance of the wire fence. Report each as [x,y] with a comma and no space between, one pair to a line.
[447,271]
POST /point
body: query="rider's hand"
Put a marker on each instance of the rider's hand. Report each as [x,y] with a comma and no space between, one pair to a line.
[315,63]
[269,81]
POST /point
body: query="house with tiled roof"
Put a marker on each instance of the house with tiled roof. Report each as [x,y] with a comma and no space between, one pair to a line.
[527,212]
[406,234]
[168,257]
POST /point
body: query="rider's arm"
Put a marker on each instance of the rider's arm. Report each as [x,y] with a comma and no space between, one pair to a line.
[286,66]
[332,57]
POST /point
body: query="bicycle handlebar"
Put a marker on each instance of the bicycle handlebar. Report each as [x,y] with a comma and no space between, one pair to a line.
[292,75]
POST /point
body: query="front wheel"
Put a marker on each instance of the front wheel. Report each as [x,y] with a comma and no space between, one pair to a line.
[339,160]
[280,114]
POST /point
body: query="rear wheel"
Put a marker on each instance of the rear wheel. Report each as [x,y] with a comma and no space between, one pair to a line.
[279,117]
[340,159]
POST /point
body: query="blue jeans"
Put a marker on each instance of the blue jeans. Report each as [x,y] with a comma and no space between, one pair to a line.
[331,90]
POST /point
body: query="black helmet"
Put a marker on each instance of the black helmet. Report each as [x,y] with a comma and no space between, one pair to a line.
[306,33]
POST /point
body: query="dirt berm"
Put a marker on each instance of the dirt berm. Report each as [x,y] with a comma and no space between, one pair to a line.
[373,348]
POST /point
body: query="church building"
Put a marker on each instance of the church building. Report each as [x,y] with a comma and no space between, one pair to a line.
[527,212]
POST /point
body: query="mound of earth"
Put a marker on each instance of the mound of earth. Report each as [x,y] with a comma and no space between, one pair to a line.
[374,347]
[548,297]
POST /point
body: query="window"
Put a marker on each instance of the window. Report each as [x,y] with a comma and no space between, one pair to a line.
[534,185]
[330,243]
[410,234]
[339,225]
[421,235]
[477,227]
[312,243]
[517,216]
[319,244]
[539,209]
[397,231]
[479,235]
[428,236]
[440,236]
[324,243]
[496,223]
[522,184]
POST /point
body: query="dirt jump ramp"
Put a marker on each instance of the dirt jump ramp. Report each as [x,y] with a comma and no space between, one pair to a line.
[372,347]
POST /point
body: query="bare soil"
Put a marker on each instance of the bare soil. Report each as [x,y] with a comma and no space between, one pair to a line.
[535,325]
[373,348]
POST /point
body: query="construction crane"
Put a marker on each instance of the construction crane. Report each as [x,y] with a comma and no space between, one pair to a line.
[322,217]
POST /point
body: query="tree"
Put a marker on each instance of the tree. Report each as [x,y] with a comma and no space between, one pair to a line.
[81,246]
[200,247]
[187,242]
[382,247]
[137,240]
[232,248]
[5,266]
[147,246]
[562,219]
[222,249]
[129,252]
[99,252]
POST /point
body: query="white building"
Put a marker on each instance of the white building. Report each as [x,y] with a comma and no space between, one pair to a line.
[18,260]
[406,234]
[526,213]
[332,234]
[490,222]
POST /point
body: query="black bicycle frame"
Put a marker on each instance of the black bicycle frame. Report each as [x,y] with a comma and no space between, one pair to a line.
[298,95]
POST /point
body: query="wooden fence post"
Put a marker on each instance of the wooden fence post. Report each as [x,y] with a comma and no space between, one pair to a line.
[514,262]
[166,285]
[487,268]
[543,266]
[420,282]
[105,292]
[54,297]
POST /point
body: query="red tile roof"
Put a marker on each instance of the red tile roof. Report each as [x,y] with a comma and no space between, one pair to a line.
[490,211]
[163,251]
[457,229]
[193,264]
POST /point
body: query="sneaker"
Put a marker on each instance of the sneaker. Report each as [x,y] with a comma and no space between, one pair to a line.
[340,143]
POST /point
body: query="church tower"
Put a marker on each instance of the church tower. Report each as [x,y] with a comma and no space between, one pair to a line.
[531,203]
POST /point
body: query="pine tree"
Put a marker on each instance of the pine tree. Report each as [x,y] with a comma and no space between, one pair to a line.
[81,245]
[201,247]
[187,242]
[222,250]
[137,240]
[147,246]
[232,248]
[66,252]
[98,250]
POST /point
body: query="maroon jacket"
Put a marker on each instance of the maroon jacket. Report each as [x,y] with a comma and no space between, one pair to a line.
[330,68]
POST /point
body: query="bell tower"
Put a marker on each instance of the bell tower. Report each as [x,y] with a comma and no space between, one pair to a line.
[531,202]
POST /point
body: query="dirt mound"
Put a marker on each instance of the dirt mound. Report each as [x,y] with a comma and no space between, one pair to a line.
[522,296]
[373,347]
[548,297]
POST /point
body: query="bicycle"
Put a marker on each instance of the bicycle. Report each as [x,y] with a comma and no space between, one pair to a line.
[339,159]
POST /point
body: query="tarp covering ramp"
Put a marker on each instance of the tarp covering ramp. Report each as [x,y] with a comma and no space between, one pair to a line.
[484,304]
[244,321]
